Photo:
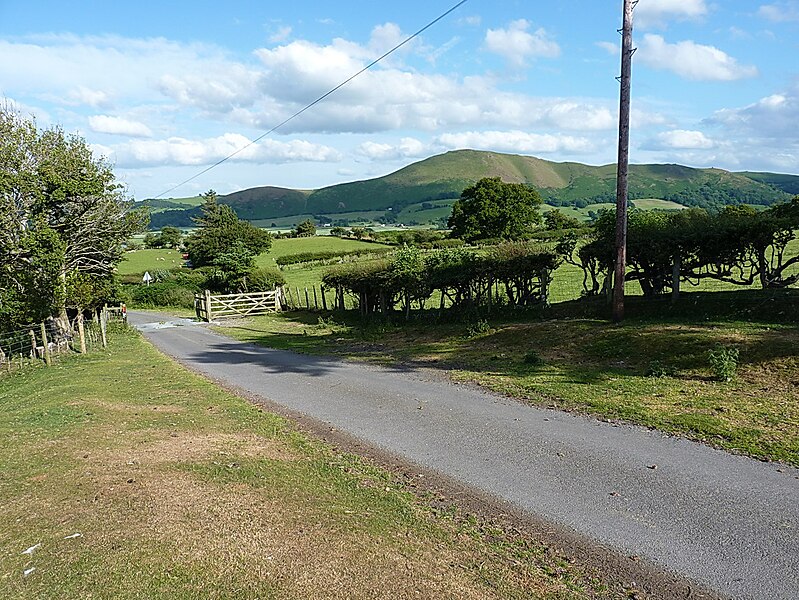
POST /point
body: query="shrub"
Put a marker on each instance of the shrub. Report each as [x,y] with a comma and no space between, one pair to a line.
[724,362]
[264,280]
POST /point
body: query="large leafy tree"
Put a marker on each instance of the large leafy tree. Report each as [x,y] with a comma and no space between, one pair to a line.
[492,208]
[62,214]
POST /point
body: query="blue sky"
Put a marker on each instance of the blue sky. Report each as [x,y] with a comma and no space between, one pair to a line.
[163,89]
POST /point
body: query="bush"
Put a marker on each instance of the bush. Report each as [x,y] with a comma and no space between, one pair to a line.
[480,328]
[264,280]
[724,362]
[165,293]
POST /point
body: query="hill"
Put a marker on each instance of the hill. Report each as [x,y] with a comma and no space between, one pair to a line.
[444,177]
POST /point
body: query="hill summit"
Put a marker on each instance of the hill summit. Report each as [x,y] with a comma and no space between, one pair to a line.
[443,177]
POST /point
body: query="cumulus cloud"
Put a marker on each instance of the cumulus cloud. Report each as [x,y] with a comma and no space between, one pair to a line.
[681,139]
[517,44]
[773,116]
[657,13]
[514,141]
[692,61]
[407,148]
[187,152]
[86,97]
[118,126]
[780,12]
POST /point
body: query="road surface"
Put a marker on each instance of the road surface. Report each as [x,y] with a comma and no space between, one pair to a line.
[727,522]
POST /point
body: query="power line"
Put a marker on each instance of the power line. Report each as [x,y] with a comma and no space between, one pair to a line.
[317,101]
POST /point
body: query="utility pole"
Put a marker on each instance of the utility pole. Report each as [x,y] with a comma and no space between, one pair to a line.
[627,52]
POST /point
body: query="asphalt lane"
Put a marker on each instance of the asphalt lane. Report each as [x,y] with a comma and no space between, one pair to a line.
[727,522]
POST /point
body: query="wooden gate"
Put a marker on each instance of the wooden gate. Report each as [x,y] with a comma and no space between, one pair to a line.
[209,306]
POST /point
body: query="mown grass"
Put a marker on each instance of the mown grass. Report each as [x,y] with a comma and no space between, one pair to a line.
[180,490]
[570,359]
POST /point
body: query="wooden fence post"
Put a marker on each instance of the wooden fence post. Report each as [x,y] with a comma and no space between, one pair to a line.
[208,305]
[324,300]
[315,300]
[34,354]
[47,358]
[103,325]
[81,332]
[307,300]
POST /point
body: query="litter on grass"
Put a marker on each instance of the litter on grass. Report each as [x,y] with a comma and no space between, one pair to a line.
[31,550]
[73,536]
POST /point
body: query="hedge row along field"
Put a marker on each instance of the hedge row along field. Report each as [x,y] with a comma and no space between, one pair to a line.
[517,274]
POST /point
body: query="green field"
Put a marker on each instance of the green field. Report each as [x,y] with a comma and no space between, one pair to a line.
[127,477]
[139,261]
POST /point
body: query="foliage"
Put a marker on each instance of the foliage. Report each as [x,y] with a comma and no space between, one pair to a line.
[168,237]
[338,231]
[463,278]
[494,209]
[724,362]
[264,280]
[306,228]
[227,243]
[480,328]
[61,213]
[555,220]
[736,245]
[323,255]
[218,229]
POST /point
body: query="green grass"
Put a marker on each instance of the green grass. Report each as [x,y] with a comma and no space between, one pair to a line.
[182,490]
[139,261]
[591,366]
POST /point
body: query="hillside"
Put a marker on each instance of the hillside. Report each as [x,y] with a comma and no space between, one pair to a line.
[445,176]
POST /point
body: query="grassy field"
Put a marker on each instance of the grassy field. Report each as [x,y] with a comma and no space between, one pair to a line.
[139,261]
[126,476]
[588,365]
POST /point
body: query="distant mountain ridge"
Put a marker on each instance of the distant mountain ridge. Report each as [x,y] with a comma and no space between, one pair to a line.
[446,175]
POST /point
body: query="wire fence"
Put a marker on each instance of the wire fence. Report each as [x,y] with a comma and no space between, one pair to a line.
[45,343]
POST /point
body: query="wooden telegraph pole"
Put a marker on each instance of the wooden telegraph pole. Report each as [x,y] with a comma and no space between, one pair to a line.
[627,52]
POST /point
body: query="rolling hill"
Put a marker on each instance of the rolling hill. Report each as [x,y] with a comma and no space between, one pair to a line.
[445,176]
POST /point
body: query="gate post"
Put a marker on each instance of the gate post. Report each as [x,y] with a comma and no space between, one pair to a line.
[208,305]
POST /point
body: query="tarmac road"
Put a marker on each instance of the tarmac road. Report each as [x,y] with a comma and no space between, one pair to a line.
[727,522]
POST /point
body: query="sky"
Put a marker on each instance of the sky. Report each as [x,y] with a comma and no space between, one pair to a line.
[162,89]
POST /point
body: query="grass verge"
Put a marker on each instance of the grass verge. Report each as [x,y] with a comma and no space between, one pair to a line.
[125,476]
[654,370]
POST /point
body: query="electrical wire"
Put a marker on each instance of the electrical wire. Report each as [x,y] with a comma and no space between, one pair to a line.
[315,102]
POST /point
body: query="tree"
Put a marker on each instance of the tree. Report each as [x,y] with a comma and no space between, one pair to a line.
[494,209]
[170,237]
[61,211]
[225,242]
[555,220]
[306,228]
[219,229]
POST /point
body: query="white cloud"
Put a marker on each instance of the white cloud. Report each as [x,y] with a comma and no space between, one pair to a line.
[609,47]
[281,35]
[682,139]
[84,96]
[514,141]
[692,61]
[182,151]
[773,116]
[780,12]
[118,126]
[657,13]
[516,44]
[407,148]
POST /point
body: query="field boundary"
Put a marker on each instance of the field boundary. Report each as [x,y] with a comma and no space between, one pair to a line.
[208,306]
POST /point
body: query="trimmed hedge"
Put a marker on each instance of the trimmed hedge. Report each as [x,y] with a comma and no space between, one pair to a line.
[516,273]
